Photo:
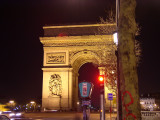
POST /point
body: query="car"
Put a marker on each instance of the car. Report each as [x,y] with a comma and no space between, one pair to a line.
[4,117]
[12,114]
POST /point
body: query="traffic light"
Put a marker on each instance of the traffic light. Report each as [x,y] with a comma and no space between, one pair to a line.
[101,78]
[102,104]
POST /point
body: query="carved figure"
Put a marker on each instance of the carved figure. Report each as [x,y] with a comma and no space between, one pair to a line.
[55,85]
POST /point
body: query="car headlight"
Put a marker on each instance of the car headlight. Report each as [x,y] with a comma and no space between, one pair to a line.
[11,114]
[18,114]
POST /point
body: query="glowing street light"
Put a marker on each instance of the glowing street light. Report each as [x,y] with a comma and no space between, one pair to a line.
[115,37]
[78,103]
[32,102]
[11,101]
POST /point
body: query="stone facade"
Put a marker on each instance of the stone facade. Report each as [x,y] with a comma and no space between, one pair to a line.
[64,54]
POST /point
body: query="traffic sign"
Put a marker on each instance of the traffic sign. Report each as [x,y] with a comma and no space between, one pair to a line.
[85,89]
[110,96]
[86,102]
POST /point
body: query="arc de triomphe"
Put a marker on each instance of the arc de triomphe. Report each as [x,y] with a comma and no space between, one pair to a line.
[66,49]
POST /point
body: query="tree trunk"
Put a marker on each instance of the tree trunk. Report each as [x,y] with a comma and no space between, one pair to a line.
[127,61]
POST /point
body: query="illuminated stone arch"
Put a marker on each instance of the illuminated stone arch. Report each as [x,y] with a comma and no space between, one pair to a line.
[83,57]
[77,61]
[64,55]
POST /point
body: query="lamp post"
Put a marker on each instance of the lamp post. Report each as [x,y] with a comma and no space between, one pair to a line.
[119,102]
[117,11]
[77,106]
[12,103]
[115,36]
[34,105]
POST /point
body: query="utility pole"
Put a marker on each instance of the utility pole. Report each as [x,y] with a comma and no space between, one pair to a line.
[119,101]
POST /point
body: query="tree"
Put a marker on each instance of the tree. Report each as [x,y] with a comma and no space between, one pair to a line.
[111,63]
[127,60]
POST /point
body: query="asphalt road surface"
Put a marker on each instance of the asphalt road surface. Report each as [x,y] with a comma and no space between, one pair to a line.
[62,116]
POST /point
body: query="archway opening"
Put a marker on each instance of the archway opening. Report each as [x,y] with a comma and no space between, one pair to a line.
[89,73]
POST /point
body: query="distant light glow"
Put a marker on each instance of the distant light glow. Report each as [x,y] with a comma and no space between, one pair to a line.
[116,81]
[50,110]
[142,103]
[18,114]
[11,101]
[54,110]
[8,111]
[32,102]
[115,36]
[12,114]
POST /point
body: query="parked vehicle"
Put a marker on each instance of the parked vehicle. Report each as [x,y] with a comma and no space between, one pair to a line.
[12,114]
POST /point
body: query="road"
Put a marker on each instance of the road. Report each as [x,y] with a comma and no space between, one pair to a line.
[62,116]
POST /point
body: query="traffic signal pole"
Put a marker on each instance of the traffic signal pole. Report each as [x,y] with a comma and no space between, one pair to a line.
[102,103]
[102,92]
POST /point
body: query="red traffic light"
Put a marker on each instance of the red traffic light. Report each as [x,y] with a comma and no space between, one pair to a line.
[101,78]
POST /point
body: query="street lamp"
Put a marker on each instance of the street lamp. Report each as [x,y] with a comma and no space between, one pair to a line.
[34,104]
[12,103]
[119,104]
[77,106]
[115,37]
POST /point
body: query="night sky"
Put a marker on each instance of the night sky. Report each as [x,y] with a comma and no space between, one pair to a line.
[22,53]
